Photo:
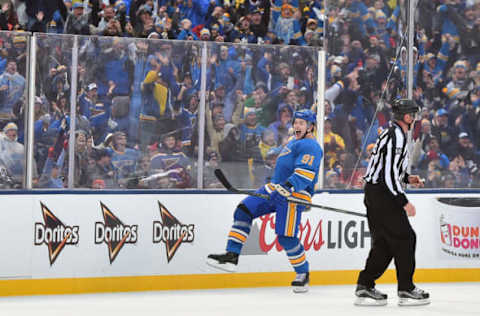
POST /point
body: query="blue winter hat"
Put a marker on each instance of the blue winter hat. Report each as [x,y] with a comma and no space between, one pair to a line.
[77,4]
[442,112]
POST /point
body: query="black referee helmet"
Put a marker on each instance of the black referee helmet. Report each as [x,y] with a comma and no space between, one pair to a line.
[400,107]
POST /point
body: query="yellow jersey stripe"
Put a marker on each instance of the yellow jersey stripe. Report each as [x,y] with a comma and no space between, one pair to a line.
[292,209]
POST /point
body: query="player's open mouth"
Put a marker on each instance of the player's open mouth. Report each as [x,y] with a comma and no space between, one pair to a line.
[298,133]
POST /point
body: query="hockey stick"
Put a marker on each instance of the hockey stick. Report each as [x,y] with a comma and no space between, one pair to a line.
[221,177]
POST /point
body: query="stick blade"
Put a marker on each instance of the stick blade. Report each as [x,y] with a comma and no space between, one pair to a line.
[221,177]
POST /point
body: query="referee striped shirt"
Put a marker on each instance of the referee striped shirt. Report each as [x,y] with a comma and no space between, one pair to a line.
[389,161]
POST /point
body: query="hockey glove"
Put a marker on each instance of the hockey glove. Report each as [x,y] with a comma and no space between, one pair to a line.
[281,193]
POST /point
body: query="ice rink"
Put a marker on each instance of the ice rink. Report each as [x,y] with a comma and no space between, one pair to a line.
[447,299]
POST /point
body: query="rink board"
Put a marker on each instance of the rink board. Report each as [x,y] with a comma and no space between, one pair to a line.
[79,243]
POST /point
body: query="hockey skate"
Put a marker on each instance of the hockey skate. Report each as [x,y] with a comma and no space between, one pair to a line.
[369,296]
[413,297]
[300,284]
[226,262]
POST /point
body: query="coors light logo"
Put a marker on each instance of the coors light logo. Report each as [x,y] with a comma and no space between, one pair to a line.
[55,234]
[114,233]
[171,232]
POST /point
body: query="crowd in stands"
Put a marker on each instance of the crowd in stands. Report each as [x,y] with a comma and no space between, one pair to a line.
[368,46]
[137,123]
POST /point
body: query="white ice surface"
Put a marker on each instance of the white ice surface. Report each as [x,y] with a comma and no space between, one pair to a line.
[450,299]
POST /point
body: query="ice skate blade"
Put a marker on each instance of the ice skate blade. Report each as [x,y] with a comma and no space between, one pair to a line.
[367,301]
[300,289]
[412,302]
[228,267]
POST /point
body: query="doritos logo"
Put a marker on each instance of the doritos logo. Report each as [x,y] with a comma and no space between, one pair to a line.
[171,232]
[114,233]
[54,234]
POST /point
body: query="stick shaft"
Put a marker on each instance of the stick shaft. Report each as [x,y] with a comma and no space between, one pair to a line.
[221,177]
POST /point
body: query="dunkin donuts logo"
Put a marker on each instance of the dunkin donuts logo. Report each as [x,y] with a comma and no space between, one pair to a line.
[171,232]
[114,233]
[459,240]
[54,233]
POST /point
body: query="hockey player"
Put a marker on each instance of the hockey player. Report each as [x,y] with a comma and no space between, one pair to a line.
[295,176]
[387,210]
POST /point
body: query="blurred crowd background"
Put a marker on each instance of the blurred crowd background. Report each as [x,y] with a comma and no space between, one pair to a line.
[139,88]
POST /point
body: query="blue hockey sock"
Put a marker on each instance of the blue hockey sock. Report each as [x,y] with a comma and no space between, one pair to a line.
[295,253]
[242,222]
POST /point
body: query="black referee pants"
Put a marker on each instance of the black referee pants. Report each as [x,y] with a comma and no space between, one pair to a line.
[392,238]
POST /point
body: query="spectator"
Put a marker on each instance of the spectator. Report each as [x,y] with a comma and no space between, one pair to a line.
[443,132]
[171,158]
[40,13]
[123,159]
[334,144]
[77,22]
[251,134]
[12,155]
[433,153]
[12,88]
[283,123]
[103,175]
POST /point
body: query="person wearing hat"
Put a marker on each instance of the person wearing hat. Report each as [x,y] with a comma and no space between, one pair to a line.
[433,152]
[314,25]
[281,78]
[465,148]
[287,28]
[88,100]
[78,21]
[142,20]
[435,64]
[170,157]
[205,35]
[186,32]
[12,88]
[259,22]
[443,131]
[157,113]
[19,51]
[215,31]
[460,85]
[251,134]
[12,154]
[187,118]
[103,169]
[242,33]
[124,159]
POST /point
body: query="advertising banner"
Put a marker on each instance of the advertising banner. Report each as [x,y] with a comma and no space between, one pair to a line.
[458,222]
[64,236]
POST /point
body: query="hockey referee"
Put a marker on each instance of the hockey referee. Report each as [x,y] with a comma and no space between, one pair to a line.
[387,211]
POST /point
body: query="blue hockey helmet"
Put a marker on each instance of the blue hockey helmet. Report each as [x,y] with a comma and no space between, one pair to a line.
[307,115]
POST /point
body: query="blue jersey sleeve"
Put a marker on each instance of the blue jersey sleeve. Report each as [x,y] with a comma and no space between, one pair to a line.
[307,163]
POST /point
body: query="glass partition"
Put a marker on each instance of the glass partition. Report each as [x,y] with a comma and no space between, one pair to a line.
[13,102]
[252,93]
[53,80]
[137,104]
[366,70]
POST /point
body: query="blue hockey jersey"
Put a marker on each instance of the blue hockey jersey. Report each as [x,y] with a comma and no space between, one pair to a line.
[299,163]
